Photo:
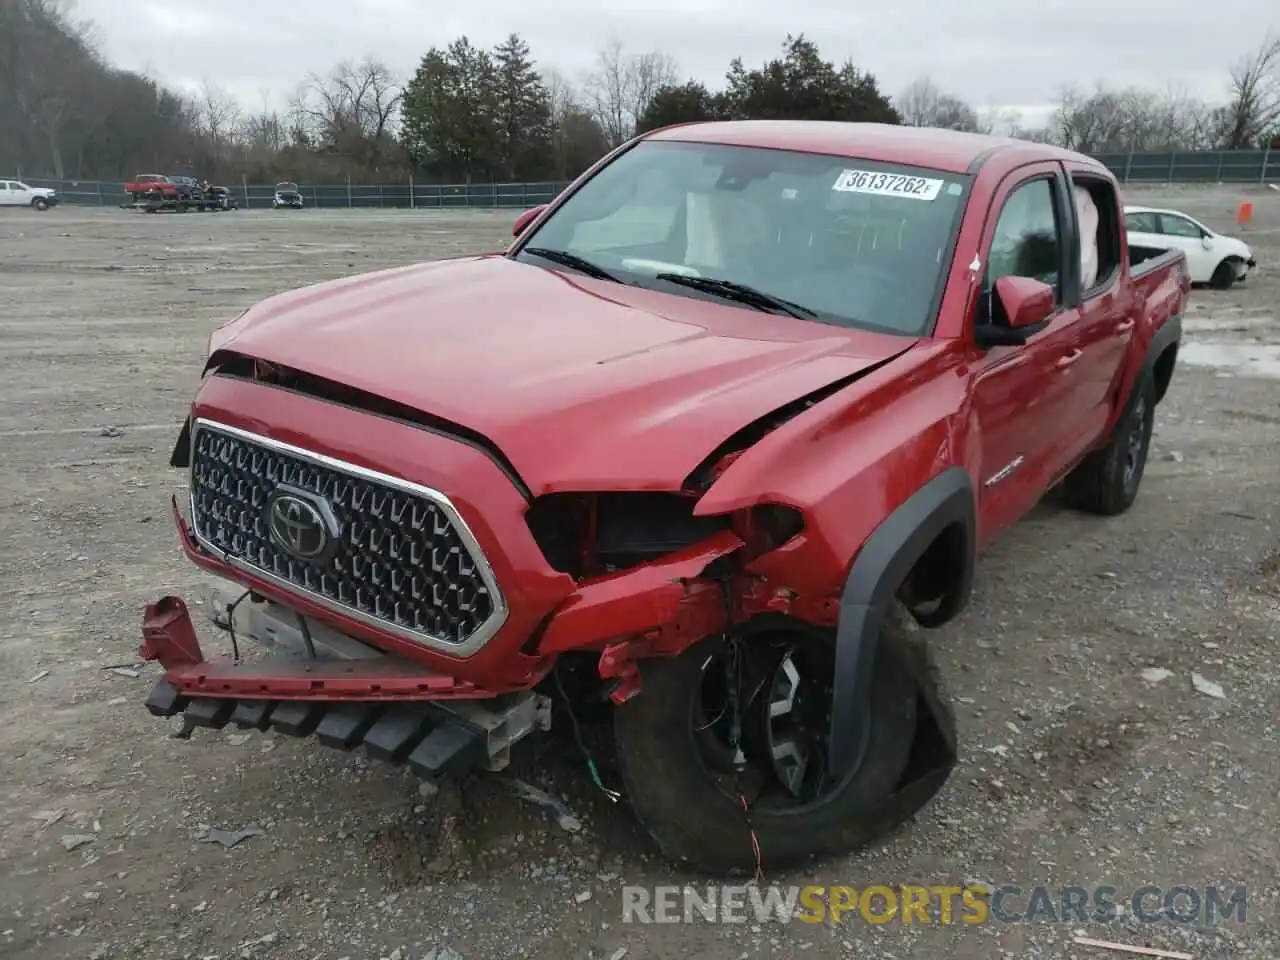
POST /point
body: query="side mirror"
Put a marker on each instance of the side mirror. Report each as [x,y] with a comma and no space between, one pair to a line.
[527,218]
[1206,241]
[1026,303]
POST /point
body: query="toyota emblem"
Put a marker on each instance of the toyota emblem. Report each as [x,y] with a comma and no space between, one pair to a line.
[301,524]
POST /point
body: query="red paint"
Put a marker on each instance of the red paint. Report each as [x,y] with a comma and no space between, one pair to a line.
[168,636]
[586,385]
[1028,301]
[636,601]
[155,183]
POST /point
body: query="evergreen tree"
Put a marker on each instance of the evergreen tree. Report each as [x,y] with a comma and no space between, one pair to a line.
[522,112]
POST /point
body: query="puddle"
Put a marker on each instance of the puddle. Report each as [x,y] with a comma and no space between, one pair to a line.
[1243,359]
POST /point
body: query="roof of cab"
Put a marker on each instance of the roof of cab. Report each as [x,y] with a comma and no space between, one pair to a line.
[948,150]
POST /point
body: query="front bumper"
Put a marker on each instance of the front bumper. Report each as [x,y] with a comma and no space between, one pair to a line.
[436,740]
[547,613]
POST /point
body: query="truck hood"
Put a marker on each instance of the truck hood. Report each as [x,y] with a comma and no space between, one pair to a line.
[583,384]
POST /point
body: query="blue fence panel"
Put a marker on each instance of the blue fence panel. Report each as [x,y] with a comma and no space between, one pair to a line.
[1234,166]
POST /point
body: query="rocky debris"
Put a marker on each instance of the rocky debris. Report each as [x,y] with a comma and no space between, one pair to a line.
[230,838]
[1207,687]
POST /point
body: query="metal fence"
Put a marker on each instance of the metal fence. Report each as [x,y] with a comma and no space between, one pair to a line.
[1234,166]
[102,193]
[1221,166]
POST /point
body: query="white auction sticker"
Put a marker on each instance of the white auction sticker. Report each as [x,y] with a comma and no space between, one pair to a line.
[887,184]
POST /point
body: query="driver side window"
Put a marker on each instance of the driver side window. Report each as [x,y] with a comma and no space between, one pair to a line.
[1028,239]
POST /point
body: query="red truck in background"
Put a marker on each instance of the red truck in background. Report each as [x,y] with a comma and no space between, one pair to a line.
[710,447]
[152,192]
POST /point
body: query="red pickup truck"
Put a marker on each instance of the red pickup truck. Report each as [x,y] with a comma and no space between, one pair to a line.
[709,448]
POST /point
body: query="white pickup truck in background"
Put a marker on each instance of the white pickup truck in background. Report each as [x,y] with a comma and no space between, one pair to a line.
[1212,258]
[15,193]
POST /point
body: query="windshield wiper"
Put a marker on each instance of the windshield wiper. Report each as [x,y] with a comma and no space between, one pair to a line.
[565,258]
[741,293]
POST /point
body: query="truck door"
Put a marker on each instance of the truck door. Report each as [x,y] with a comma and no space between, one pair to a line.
[1105,328]
[1018,391]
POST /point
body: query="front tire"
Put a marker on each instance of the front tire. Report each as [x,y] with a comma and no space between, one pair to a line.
[1106,482]
[40,203]
[688,806]
[1224,276]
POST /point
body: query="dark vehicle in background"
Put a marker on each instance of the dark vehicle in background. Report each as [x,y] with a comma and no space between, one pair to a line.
[287,195]
[189,191]
[221,198]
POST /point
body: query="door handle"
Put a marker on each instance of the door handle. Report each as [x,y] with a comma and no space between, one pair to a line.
[1069,359]
[1124,327]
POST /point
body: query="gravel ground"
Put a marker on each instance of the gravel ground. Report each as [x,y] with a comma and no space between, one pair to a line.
[1074,770]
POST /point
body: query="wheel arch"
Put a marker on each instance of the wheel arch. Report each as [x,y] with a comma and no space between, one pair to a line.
[1162,356]
[941,516]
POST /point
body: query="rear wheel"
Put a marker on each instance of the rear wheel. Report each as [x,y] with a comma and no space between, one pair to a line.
[723,753]
[1106,482]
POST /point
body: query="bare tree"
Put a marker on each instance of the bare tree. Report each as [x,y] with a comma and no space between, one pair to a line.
[1131,120]
[918,102]
[922,104]
[577,139]
[350,111]
[219,117]
[46,64]
[1253,112]
[621,86]
[264,131]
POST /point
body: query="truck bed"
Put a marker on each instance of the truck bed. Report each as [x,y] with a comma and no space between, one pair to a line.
[1160,276]
[1144,260]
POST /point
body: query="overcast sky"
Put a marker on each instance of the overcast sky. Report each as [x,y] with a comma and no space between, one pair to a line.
[1006,53]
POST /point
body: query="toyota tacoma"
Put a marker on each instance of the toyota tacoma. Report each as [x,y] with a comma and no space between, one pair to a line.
[710,448]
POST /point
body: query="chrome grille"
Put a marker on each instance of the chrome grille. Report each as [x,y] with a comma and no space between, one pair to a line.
[400,557]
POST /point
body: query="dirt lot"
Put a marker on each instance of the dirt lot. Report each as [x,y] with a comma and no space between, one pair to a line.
[1074,770]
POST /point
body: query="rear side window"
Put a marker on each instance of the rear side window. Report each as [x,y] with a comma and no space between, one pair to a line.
[1099,233]
[1028,238]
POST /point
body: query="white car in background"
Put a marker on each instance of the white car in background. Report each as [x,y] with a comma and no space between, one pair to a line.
[15,193]
[1212,258]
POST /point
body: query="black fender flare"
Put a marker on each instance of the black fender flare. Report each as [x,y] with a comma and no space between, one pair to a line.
[1169,334]
[878,571]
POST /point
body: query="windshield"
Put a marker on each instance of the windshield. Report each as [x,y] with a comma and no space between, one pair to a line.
[858,243]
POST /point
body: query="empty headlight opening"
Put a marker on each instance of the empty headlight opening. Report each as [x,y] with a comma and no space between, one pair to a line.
[588,535]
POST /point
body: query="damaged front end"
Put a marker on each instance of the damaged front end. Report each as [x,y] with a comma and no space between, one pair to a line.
[640,591]
[436,660]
